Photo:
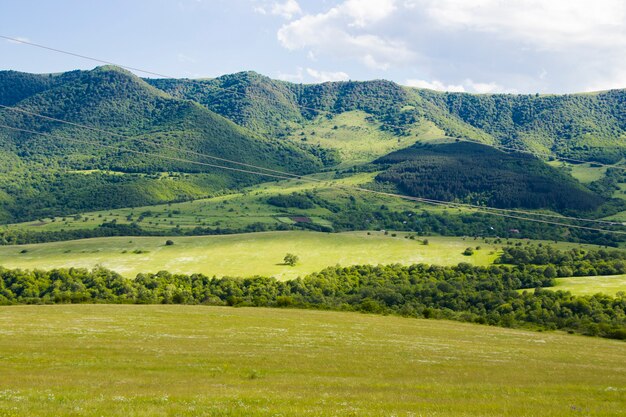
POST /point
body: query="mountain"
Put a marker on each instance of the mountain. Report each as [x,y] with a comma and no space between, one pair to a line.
[250,118]
[582,126]
[55,175]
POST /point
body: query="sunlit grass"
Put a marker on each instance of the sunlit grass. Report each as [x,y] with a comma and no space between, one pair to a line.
[107,360]
[247,254]
[591,285]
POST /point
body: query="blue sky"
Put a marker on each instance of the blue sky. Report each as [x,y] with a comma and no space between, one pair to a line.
[482,46]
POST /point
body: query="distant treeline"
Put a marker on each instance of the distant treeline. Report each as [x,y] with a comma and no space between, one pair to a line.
[486,295]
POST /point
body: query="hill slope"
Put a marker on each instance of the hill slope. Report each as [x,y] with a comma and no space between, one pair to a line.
[291,127]
[115,100]
[478,174]
[207,361]
[585,126]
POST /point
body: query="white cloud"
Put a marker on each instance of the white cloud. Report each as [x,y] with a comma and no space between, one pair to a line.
[483,88]
[296,77]
[344,32]
[364,12]
[311,74]
[552,24]
[322,76]
[434,85]
[287,9]
[533,45]
[260,10]
[615,78]
[468,86]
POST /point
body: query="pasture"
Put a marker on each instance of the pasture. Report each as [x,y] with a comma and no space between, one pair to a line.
[231,211]
[246,254]
[358,138]
[121,360]
[591,285]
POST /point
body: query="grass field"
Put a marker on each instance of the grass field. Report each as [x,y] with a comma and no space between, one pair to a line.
[245,254]
[585,173]
[358,138]
[107,360]
[592,285]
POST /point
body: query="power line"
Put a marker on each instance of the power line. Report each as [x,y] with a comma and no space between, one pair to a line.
[109,132]
[287,174]
[496,146]
[145,153]
[417,199]
[281,173]
[22,41]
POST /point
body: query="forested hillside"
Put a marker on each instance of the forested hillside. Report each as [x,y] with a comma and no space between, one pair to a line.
[481,175]
[582,126]
[253,119]
[46,175]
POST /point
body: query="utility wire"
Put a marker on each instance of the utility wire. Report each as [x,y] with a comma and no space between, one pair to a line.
[496,146]
[286,174]
[281,173]
[139,139]
[417,199]
[145,153]
[22,41]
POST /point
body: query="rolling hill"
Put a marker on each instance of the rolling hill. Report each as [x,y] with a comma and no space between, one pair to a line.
[120,360]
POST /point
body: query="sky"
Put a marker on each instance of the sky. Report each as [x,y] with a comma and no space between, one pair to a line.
[478,46]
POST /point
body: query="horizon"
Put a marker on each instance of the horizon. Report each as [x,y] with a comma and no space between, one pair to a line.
[117,66]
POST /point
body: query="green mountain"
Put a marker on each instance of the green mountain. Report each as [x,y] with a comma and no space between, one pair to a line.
[247,117]
[582,126]
[55,175]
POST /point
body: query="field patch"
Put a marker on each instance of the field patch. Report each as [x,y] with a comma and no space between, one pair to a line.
[358,137]
[591,285]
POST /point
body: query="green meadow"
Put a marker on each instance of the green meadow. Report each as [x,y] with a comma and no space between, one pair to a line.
[358,138]
[592,285]
[123,360]
[247,254]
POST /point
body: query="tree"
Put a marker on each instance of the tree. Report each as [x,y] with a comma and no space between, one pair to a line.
[291,259]
[169,242]
[550,272]
[468,252]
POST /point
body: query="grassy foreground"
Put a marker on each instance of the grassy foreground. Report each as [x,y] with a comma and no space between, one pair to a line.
[92,360]
[245,254]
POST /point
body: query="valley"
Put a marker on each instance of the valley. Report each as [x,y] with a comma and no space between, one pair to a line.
[299,208]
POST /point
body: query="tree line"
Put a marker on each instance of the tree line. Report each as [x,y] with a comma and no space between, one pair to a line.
[487,295]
